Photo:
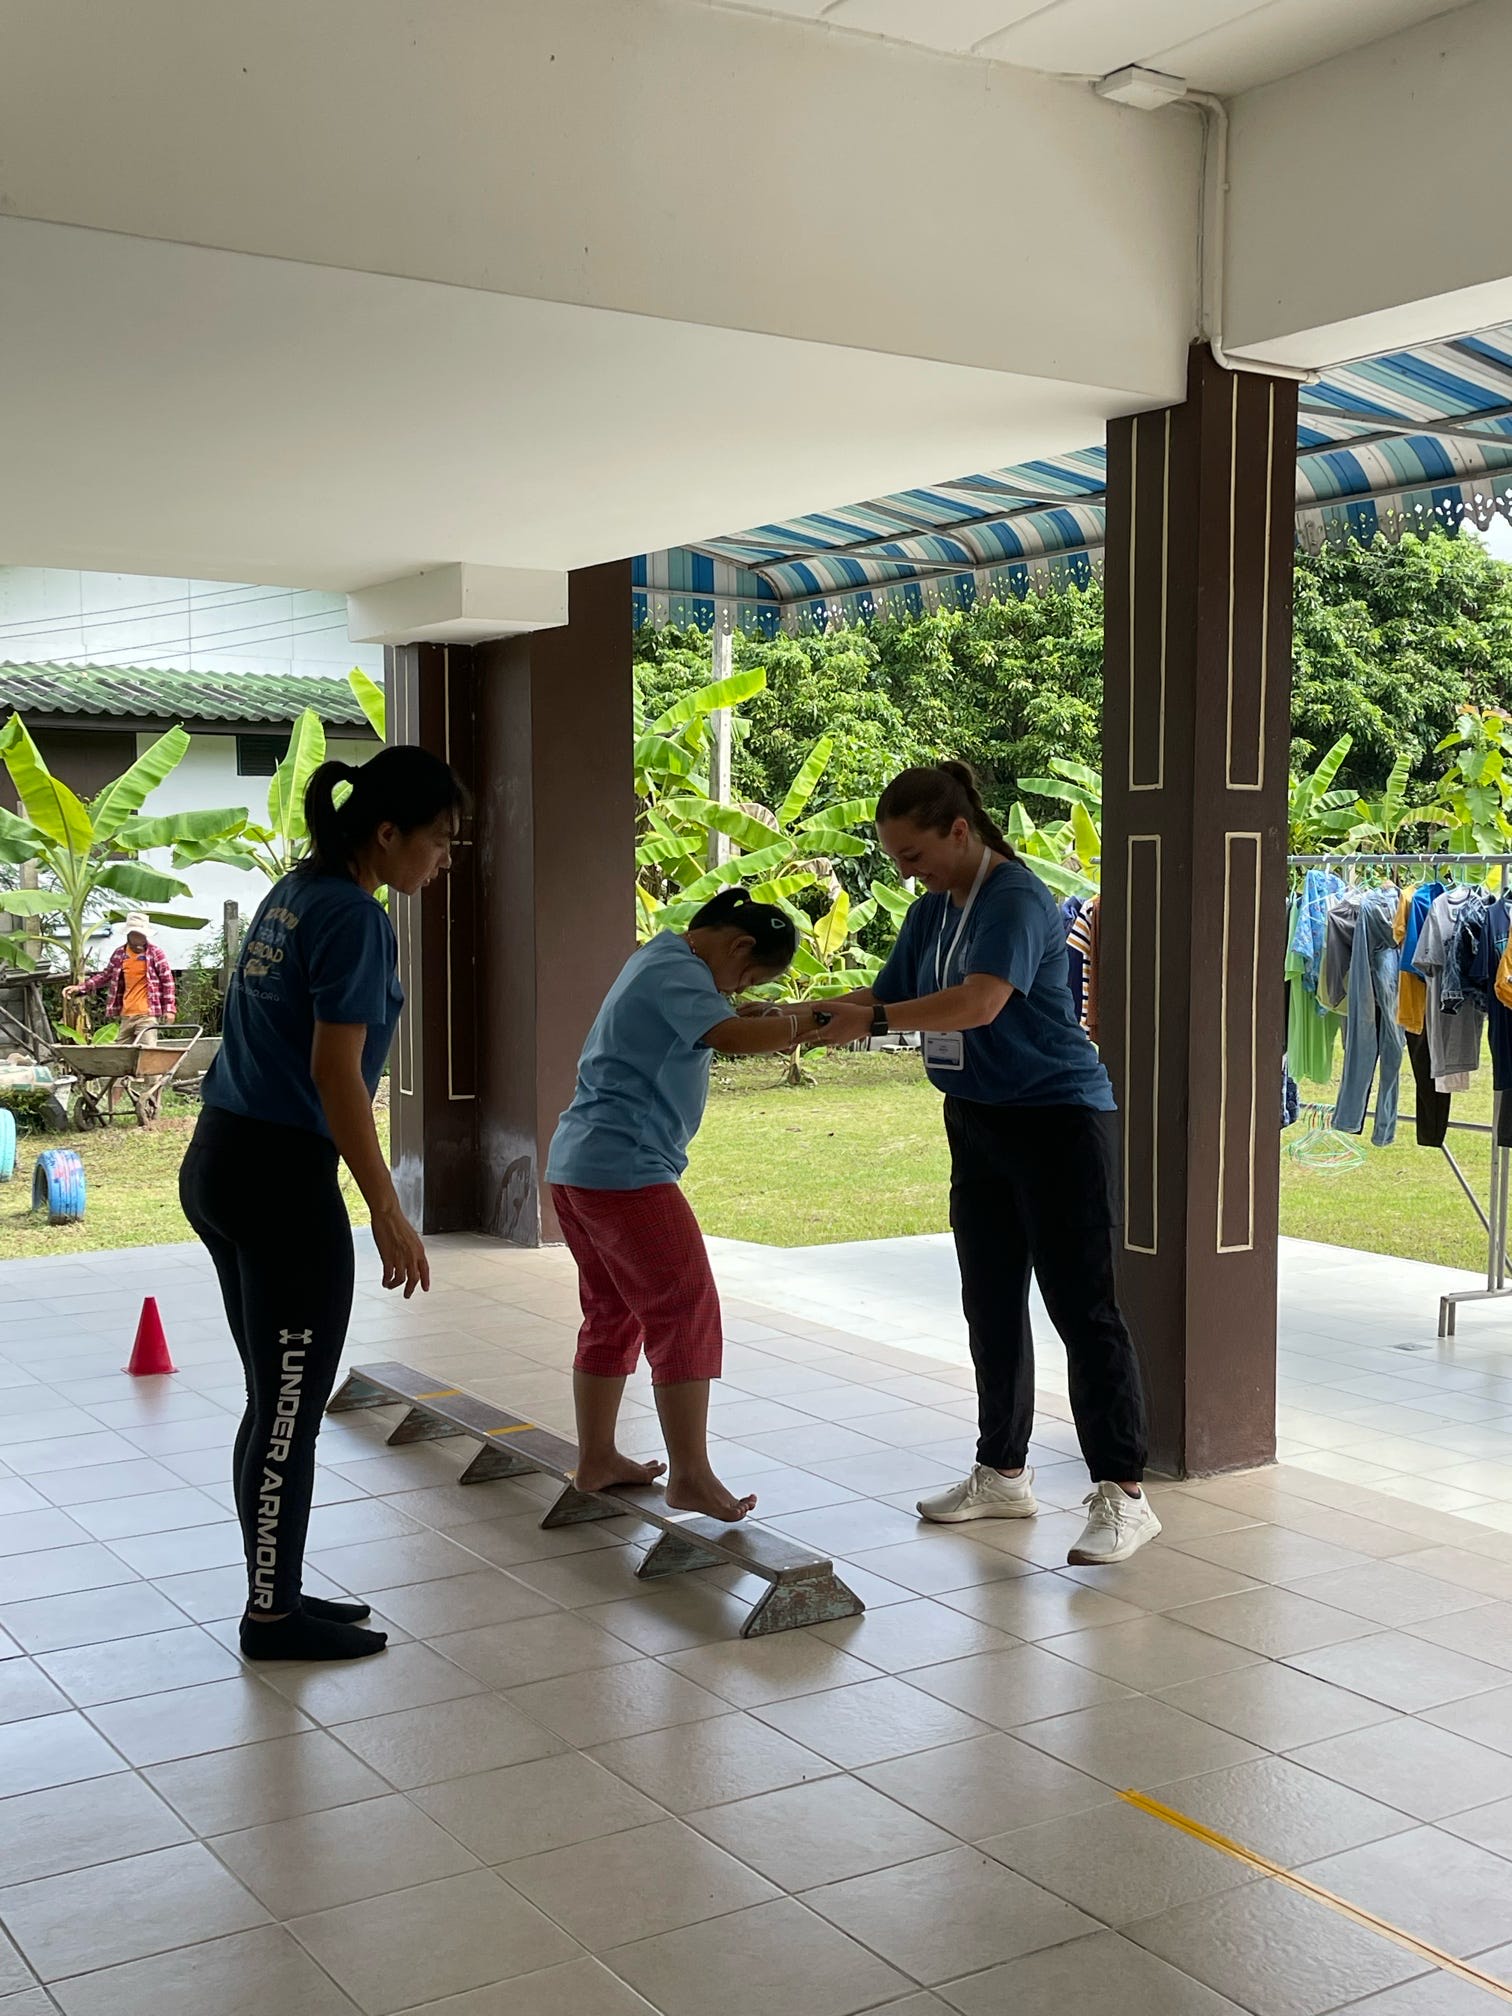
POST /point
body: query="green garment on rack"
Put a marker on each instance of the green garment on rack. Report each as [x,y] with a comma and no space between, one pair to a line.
[1311,1031]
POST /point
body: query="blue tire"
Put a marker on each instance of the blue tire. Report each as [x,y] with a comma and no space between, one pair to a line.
[58,1186]
[7,1144]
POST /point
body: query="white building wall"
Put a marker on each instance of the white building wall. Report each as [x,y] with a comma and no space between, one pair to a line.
[63,616]
[204,780]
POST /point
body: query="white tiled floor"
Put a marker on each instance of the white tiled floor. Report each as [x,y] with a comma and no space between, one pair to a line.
[561,1790]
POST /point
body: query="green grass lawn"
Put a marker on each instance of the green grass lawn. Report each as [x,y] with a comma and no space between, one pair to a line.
[860,1154]
[131,1186]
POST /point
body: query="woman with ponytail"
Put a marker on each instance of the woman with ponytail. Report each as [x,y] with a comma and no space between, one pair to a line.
[980,970]
[643,1272]
[309,1017]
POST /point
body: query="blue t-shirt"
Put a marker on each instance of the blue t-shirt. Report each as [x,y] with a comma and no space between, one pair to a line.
[318,950]
[643,1076]
[1034,1053]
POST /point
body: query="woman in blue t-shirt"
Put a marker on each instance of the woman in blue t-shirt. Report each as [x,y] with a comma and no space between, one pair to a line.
[980,969]
[309,1017]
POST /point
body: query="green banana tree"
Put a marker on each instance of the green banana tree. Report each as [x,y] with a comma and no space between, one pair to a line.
[273,848]
[84,853]
[1385,825]
[1068,855]
[1320,816]
[778,854]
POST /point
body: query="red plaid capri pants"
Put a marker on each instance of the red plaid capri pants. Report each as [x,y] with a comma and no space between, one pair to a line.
[643,1278]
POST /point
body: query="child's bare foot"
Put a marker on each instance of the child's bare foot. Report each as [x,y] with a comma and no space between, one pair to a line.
[613,1469]
[703,1492]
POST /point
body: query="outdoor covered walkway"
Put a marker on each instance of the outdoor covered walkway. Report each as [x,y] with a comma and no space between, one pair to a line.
[563,1793]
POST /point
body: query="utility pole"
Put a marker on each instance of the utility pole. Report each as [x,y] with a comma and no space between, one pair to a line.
[719,744]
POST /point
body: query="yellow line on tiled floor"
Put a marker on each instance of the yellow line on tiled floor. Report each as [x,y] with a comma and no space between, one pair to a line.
[441,1393]
[1446,1961]
[524,1428]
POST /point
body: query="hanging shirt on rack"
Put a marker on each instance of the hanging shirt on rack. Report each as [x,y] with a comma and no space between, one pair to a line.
[1412,989]
[1338,949]
[1310,926]
[1311,1032]
[1454,1039]
[1373,1041]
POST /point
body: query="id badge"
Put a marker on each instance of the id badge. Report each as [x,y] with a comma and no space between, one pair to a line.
[944,1050]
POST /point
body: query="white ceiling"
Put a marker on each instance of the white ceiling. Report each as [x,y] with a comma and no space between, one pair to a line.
[171,409]
[1225,46]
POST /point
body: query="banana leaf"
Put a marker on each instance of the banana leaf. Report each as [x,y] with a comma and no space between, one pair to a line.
[846,812]
[126,796]
[736,825]
[804,784]
[175,828]
[896,902]
[286,794]
[709,699]
[781,890]
[833,927]
[142,884]
[370,697]
[19,839]
[831,840]
[45,800]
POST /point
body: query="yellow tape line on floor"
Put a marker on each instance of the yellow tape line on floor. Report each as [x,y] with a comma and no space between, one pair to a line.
[441,1393]
[1368,1919]
[524,1428]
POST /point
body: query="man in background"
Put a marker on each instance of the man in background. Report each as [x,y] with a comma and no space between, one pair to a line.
[139,980]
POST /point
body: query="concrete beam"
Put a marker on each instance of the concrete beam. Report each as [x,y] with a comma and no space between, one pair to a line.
[1365,211]
[655,156]
[460,604]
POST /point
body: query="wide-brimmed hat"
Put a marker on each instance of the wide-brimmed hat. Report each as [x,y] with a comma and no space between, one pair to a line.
[138,920]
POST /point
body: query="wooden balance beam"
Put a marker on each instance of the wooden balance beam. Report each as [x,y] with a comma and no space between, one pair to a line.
[804,1586]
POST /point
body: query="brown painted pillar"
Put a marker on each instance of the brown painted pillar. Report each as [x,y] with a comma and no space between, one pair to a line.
[505,961]
[556,876]
[1195,747]
[433,1069]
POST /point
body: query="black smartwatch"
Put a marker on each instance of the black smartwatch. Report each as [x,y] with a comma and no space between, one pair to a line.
[879,1018]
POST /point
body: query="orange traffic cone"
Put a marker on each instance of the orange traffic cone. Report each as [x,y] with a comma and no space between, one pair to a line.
[149,1354]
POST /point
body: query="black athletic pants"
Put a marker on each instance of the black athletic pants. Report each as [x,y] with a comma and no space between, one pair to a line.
[1034,1190]
[267,1203]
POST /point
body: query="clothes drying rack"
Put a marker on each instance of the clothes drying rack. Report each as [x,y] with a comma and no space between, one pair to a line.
[1493,1215]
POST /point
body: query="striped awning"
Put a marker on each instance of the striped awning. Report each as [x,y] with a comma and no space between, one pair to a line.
[1386,446]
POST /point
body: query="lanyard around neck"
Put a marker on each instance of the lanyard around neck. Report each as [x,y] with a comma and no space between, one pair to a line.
[942,963]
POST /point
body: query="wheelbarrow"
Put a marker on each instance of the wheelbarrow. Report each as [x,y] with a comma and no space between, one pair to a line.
[113,1076]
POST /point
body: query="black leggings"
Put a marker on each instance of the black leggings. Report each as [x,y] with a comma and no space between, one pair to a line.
[1034,1190]
[267,1203]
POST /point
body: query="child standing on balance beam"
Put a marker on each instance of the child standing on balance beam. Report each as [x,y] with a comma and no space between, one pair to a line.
[618,1151]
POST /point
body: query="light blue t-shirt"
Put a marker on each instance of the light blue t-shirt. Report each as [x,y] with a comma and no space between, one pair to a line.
[1034,1053]
[319,950]
[643,1076]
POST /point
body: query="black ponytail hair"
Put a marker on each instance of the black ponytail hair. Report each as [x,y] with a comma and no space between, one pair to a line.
[774,931]
[935,795]
[403,786]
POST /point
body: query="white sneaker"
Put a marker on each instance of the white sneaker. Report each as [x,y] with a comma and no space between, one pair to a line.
[1117,1526]
[985,1494]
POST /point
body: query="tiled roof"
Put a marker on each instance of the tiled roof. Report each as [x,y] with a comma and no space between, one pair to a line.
[130,692]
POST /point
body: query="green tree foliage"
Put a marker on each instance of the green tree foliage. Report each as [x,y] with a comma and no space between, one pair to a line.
[1389,643]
